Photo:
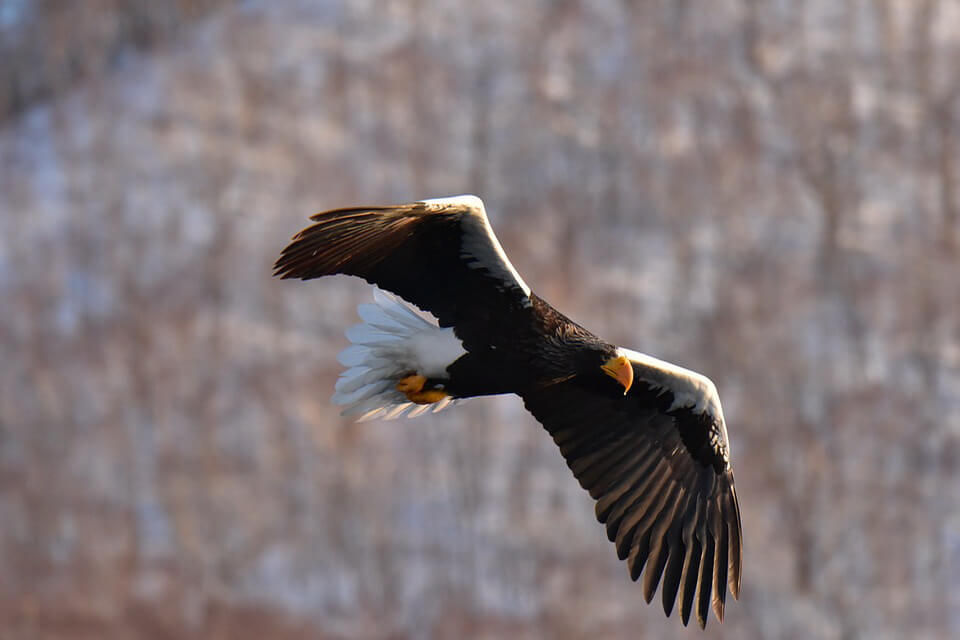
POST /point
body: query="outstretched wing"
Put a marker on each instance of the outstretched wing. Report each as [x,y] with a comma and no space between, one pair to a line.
[662,482]
[441,255]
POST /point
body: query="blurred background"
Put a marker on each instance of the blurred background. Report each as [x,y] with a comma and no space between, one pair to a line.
[764,191]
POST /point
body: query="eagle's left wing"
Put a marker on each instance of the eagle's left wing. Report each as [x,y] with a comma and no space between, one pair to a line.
[662,482]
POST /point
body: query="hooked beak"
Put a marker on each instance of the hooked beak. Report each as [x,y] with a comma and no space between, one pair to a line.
[620,369]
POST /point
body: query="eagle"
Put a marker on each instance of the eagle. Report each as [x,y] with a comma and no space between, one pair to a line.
[646,438]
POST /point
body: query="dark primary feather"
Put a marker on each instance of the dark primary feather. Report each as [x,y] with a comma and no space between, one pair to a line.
[667,503]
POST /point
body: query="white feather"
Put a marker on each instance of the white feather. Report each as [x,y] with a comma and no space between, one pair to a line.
[689,388]
[397,411]
[373,414]
[442,404]
[396,308]
[380,321]
[366,335]
[420,409]
[357,378]
[394,341]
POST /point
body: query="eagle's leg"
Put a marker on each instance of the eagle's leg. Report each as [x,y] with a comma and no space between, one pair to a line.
[413,385]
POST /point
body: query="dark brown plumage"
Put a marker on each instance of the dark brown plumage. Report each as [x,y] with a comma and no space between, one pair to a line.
[645,438]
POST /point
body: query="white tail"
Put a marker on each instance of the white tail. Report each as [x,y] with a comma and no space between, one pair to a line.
[394,341]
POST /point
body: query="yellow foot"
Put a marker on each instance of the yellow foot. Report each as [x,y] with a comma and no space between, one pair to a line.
[412,387]
[427,397]
[411,384]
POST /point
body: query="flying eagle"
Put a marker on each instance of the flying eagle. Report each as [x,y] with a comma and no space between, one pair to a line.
[644,437]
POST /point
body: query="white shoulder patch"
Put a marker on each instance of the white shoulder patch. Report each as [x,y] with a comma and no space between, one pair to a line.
[479,244]
[466,200]
[689,388]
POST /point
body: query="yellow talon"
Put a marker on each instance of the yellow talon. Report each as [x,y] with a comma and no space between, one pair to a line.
[411,384]
[412,387]
[427,397]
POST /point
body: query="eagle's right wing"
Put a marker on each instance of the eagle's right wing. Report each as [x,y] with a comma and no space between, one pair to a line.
[440,255]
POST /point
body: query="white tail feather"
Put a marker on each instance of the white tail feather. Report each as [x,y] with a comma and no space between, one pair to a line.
[395,340]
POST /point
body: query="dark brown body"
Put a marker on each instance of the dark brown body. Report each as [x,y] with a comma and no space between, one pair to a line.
[528,348]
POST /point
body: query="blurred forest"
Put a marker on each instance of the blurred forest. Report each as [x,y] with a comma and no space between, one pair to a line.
[764,191]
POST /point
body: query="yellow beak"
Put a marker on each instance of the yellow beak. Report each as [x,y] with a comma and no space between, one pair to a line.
[620,369]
